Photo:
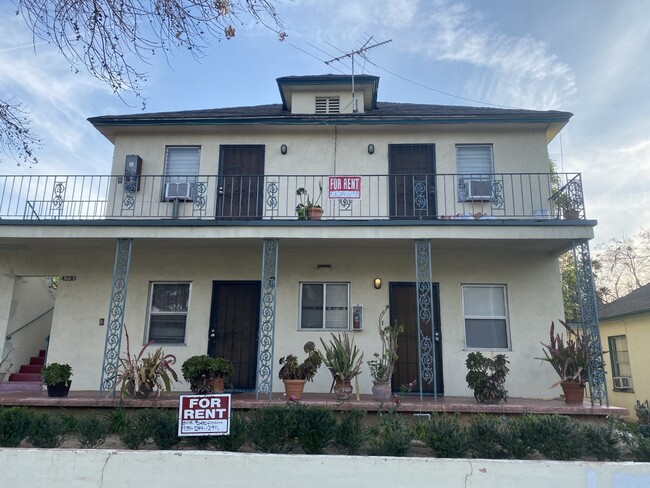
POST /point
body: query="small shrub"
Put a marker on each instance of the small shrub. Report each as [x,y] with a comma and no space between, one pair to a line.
[519,436]
[164,427]
[644,430]
[69,423]
[315,428]
[445,435]
[487,377]
[391,438]
[486,436]
[601,442]
[271,429]
[237,437]
[199,442]
[14,425]
[117,419]
[349,434]
[641,451]
[136,431]
[559,437]
[92,431]
[46,431]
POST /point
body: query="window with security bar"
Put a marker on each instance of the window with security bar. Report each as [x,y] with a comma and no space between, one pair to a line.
[324,306]
[168,309]
[620,359]
[475,168]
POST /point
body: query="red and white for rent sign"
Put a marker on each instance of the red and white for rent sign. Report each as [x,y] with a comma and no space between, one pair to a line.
[204,415]
[345,187]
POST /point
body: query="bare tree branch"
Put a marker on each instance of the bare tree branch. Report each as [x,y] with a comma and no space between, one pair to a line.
[16,139]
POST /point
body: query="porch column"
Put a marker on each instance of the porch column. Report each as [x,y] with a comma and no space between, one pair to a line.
[115,324]
[267,318]
[425,301]
[589,320]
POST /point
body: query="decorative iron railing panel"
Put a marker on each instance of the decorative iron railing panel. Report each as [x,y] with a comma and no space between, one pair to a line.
[276,197]
[426,326]
[267,318]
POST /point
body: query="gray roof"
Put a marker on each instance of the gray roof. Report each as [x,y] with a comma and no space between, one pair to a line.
[635,302]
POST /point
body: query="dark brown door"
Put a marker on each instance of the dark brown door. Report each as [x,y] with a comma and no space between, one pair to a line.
[404,310]
[411,169]
[234,323]
[241,182]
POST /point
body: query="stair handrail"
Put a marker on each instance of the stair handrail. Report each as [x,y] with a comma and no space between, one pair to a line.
[11,334]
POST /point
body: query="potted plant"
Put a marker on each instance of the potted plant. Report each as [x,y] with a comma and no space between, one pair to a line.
[383,365]
[487,377]
[206,374]
[295,375]
[57,379]
[308,209]
[570,360]
[344,361]
[140,376]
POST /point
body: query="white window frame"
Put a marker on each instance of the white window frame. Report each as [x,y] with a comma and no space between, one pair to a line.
[324,317]
[616,362]
[487,317]
[152,284]
[481,178]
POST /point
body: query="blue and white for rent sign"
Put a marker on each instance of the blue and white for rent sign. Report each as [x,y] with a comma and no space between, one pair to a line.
[204,415]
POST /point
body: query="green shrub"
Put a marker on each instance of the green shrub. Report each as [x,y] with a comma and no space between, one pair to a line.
[641,451]
[271,429]
[92,431]
[136,431]
[349,434]
[315,428]
[199,442]
[486,435]
[519,436]
[390,438]
[644,430]
[445,435]
[117,419]
[14,425]
[46,431]
[163,425]
[237,437]
[601,442]
[559,437]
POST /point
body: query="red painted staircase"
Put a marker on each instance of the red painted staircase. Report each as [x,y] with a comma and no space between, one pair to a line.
[28,377]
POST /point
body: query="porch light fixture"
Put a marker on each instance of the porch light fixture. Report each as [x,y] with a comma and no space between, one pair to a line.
[371,148]
[377,283]
[283,149]
[324,266]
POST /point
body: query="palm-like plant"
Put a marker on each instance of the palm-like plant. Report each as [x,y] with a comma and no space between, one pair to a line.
[569,358]
[342,357]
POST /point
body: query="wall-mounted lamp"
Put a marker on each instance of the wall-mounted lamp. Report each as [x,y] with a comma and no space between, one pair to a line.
[377,283]
[283,149]
[324,266]
[371,148]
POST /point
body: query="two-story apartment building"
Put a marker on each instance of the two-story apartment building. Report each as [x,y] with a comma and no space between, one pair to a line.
[197,240]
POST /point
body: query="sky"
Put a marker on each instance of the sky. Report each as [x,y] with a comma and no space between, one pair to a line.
[588,57]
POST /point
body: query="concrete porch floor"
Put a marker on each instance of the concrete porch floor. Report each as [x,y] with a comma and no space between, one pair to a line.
[247,401]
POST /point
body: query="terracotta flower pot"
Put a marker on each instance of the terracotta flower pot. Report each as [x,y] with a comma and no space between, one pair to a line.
[217,385]
[343,390]
[314,213]
[574,393]
[382,392]
[294,388]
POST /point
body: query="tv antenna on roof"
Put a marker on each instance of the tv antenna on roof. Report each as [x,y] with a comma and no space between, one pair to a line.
[361,52]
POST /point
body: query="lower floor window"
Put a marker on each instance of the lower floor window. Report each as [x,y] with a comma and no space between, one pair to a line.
[324,306]
[486,317]
[621,371]
[168,307]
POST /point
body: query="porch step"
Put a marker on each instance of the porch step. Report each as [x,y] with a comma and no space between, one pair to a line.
[32,377]
[41,353]
[31,368]
[21,386]
[37,361]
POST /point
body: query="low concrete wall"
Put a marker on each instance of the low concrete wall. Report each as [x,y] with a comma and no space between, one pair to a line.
[71,468]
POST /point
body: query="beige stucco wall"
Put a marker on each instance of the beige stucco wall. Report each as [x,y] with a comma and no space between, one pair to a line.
[636,328]
[531,278]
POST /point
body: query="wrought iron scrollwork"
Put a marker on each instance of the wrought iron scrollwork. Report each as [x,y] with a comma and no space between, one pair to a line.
[128,195]
[496,194]
[58,195]
[420,198]
[272,190]
[199,199]
[426,345]
[345,204]
[267,317]
[116,315]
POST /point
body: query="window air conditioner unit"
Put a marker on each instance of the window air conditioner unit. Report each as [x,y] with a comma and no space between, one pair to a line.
[477,190]
[623,382]
[178,191]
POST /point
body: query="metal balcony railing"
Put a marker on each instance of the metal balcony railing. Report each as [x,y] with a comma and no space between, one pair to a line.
[421,197]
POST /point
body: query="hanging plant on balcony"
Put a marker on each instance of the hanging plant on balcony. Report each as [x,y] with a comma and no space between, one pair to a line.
[308,209]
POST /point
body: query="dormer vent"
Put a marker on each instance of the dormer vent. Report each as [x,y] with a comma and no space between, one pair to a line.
[327,105]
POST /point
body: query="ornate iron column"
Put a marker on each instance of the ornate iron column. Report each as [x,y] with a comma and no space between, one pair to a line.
[116,315]
[267,318]
[425,300]
[589,320]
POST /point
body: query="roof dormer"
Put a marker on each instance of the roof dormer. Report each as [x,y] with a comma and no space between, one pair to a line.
[328,94]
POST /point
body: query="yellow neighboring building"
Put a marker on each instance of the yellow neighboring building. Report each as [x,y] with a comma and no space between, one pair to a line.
[625,331]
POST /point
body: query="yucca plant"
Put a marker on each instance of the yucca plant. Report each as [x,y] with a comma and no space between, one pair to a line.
[342,357]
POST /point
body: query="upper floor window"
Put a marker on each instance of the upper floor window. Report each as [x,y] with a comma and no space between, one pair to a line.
[181,170]
[475,165]
[168,308]
[327,105]
[620,358]
[324,306]
[485,312]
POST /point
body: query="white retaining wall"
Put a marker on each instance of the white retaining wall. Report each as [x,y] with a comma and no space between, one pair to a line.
[72,468]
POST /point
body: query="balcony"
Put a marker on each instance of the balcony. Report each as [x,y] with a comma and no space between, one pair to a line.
[416,199]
